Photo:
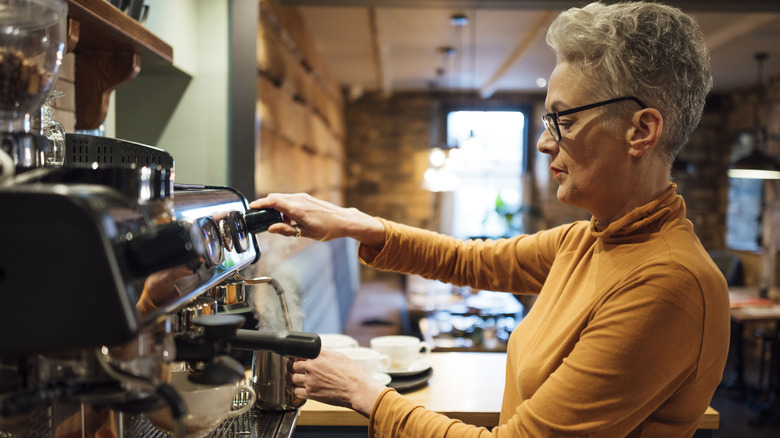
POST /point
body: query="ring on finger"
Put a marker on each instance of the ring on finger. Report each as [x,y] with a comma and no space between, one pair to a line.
[297,231]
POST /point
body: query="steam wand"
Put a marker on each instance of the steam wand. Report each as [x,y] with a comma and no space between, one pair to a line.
[279,292]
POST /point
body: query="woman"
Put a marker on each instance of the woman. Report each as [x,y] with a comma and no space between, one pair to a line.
[629,333]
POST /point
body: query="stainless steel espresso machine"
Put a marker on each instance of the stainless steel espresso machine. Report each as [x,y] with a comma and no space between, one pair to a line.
[95,317]
[113,277]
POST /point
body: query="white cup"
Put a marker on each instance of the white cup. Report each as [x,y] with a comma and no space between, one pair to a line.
[370,360]
[402,350]
[336,341]
[207,406]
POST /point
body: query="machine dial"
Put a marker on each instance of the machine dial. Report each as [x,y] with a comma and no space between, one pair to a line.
[239,231]
[210,236]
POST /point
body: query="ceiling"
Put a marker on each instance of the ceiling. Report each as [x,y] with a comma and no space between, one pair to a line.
[396,45]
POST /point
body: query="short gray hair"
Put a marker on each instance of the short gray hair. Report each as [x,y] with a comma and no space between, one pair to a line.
[651,51]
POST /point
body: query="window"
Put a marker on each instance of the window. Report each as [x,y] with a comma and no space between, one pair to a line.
[744,213]
[743,218]
[488,166]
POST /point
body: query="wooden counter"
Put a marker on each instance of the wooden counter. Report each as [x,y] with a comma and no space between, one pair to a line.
[466,386]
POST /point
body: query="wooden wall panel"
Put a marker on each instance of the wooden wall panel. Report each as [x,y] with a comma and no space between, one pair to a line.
[301,110]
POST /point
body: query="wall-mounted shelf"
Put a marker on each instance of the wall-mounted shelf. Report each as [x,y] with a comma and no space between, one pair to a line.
[109,47]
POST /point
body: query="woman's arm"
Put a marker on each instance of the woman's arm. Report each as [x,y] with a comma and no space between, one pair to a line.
[321,220]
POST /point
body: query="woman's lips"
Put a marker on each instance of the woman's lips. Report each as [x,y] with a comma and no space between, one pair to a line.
[556,171]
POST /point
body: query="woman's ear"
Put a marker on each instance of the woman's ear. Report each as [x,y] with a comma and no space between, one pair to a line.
[645,132]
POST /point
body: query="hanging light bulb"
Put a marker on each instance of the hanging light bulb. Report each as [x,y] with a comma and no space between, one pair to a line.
[757,164]
[437,158]
[440,180]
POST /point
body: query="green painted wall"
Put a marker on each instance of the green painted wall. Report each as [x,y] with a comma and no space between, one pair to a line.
[183,109]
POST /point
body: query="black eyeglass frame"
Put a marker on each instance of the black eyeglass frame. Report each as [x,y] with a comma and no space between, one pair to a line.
[551,119]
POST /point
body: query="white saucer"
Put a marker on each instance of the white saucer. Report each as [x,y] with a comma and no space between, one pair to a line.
[382,378]
[416,367]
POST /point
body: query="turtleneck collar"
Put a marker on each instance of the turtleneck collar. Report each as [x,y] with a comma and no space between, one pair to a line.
[643,219]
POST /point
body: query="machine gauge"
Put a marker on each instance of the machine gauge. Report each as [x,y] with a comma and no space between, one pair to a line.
[240,232]
[212,241]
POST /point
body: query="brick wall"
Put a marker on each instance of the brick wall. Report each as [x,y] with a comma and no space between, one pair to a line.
[387,153]
[705,185]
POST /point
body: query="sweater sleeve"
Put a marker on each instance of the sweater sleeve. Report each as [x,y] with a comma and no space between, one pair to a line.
[518,265]
[395,416]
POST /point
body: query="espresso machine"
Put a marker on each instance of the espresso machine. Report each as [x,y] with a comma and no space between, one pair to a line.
[112,274]
[84,248]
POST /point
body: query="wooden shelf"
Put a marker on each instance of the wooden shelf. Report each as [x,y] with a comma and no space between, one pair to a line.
[110,48]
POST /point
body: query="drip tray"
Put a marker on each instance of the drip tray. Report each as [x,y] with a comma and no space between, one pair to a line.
[252,424]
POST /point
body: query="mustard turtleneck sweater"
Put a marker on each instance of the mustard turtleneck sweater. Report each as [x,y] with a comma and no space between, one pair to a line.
[628,336]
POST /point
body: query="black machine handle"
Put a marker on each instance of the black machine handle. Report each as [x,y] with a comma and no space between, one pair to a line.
[222,331]
[285,343]
[259,220]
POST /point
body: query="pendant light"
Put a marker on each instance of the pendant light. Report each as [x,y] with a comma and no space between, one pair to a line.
[757,164]
[472,141]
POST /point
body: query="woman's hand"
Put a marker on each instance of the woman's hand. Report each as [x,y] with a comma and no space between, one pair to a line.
[321,220]
[335,379]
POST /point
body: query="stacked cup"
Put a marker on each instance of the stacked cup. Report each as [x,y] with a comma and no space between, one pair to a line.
[405,352]
[373,363]
[396,355]
[337,341]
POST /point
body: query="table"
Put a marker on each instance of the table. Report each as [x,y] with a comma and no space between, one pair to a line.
[466,386]
[459,319]
[459,388]
[747,307]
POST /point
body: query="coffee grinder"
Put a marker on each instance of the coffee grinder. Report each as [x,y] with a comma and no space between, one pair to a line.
[32,47]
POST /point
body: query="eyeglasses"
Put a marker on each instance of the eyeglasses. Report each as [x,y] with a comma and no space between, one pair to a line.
[551,120]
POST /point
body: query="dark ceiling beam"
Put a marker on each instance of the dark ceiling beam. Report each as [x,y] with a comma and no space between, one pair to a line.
[688,5]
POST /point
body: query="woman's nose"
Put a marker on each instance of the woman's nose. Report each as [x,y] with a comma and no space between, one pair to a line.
[546,144]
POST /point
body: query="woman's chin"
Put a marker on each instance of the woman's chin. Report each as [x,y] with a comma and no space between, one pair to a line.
[569,197]
[564,196]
